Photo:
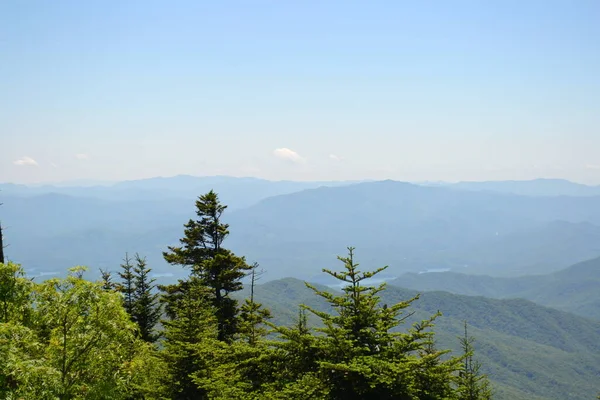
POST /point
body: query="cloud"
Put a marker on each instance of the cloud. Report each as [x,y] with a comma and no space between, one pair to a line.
[26,161]
[289,155]
[592,166]
[335,158]
[82,156]
[53,165]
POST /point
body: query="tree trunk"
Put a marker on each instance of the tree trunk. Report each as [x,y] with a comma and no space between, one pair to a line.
[1,246]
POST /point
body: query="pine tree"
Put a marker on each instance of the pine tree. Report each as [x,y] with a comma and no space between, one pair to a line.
[472,384]
[127,286]
[216,267]
[146,308]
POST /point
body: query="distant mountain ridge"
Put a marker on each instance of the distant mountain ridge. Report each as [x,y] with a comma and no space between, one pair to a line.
[575,289]
[409,227]
[413,227]
[535,187]
[234,191]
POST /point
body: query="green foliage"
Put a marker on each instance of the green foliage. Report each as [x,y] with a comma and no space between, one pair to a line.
[191,327]
[528,351]
[472,384]
[253,316]
[82,344]
[146,308]
[358,355]
[107,282]
[127,286]
[574,289]
[15,294]
[216,267]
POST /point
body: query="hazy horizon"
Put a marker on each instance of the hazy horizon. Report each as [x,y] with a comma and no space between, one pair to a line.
[466,91]
[91,183]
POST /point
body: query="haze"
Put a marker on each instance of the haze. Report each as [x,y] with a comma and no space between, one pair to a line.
[462,90]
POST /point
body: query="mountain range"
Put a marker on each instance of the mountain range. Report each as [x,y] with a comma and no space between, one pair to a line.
[514,254]
[294,228]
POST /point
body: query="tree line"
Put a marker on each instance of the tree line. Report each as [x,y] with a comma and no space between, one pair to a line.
[124,337]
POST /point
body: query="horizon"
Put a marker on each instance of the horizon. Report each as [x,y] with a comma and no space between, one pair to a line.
[82,183]
[468,91]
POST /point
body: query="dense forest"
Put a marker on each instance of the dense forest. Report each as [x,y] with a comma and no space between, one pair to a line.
[125,337]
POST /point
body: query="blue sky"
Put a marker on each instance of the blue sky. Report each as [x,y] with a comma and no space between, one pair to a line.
[305,90]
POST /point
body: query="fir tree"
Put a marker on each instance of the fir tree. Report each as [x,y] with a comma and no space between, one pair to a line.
[107,282]
[252,315]
[216,267]
[358,355]
[146,308]
[127,286]
[241,368]
[191,326]
[472,384]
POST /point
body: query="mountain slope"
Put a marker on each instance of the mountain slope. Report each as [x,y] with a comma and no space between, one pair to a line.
[530,351]
[408,226]
[574,289]
[535,187]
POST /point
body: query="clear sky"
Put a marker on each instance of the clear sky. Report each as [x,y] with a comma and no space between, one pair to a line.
[304,90]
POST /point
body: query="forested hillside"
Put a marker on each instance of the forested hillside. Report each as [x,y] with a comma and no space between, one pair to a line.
[574,289]
[528,351]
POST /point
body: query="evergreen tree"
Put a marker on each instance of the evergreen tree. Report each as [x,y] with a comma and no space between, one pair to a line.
[146,308]
[191,327]
[127,286]
[216,267]
[295,365]
[107,282]
[253,316]
[358,356]
[241,368]
[472,384]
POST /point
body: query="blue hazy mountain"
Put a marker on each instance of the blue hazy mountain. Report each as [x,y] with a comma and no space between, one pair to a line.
[536,187]
[236,192]
[409,227]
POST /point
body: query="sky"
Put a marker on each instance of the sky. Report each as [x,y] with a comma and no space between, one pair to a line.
[303,90]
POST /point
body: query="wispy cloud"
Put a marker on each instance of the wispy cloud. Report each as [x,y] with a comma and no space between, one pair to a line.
[82,156]
[592,166]
[53,165]
[335,158]
[290,155]
[26,161]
